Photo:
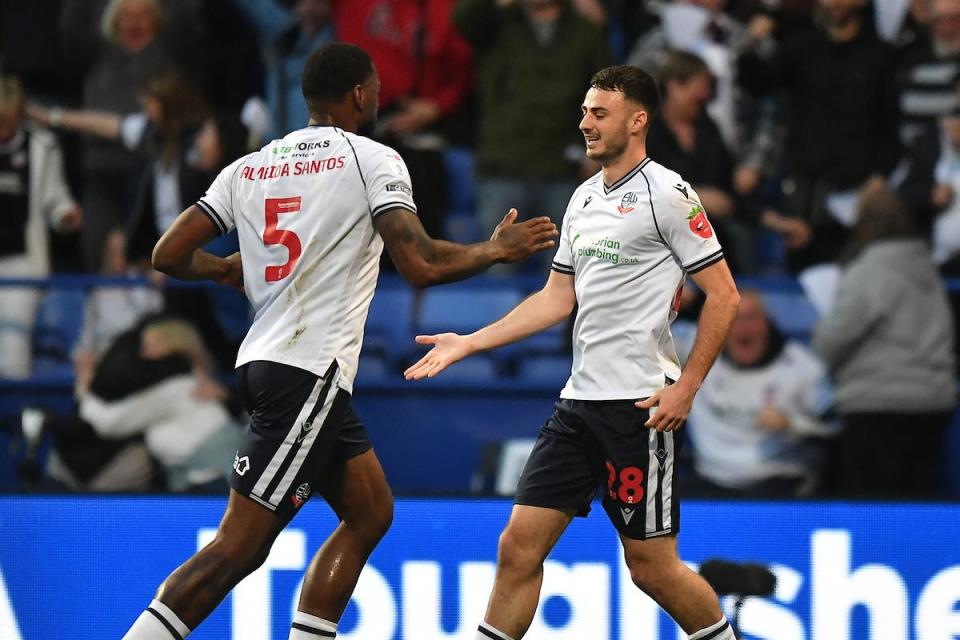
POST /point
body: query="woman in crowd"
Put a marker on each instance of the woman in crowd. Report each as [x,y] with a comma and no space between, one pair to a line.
[888,344]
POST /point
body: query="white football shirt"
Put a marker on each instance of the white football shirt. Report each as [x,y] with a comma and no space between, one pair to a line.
[303,207]
[629,247]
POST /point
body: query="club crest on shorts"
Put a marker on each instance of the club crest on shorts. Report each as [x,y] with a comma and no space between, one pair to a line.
[301,495]
[628,202]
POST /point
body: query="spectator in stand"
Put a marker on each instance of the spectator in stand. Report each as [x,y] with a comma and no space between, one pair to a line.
[184,148]
[929,74]
[33,196]
[152,400]
[109,311]
[755,423]
[126,53]
[290,30]
[888,343]
[684,137]
[425,75]
[533,59]
[842,123]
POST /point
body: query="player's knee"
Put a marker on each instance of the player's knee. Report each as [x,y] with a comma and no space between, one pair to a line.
[649,572]
[379,520]
[373,522]
[238,557]
[518,552]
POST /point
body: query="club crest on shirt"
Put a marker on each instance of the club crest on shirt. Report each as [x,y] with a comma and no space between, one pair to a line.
[628,203]
[699,223]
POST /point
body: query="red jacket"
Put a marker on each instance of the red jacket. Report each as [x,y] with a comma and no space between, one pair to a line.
[388,30]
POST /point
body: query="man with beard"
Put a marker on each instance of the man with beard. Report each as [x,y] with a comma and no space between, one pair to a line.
[313,212]
[842,121]
[630,235]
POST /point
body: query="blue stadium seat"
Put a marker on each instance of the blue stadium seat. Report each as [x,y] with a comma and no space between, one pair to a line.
[792,313]
[477,368]
[460,163]
[552,370]
[58,323]
[373,368]
[389,330]
[463,310]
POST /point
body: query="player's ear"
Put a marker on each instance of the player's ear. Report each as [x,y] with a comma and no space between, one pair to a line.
[359,97]
[640,121]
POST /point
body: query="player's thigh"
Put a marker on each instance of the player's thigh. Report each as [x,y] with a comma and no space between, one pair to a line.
[357,491]
[247,530]
[650,553]
[640,494]
[531,533]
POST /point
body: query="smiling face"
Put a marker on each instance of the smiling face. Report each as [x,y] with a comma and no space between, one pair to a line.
[610,122]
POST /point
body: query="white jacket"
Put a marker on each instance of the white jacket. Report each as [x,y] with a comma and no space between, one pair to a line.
[49,199]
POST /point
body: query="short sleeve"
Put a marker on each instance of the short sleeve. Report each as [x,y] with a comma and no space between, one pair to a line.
[563,260]
[387,182]
[684,228]
[217,203]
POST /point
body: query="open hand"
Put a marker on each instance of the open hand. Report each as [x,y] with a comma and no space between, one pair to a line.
[521,240]
[673,406]
[447,349]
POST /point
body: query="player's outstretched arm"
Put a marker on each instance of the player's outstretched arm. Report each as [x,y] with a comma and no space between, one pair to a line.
[178,253]
[543,309]
[424,261]
[674,402]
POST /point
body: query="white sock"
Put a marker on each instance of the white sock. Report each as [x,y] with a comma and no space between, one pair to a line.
[718,631]
[489,632]
[158,622]
[308,627]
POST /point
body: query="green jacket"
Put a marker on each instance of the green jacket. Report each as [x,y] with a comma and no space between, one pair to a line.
[529,95]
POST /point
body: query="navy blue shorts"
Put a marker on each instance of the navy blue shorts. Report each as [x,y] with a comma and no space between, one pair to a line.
[591,444]
[301,426]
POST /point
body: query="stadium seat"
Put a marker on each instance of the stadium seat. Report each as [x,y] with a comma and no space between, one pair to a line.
[373,368]
[464,310]
[475,369]
[792,313]
[547,370]
[389,330]
[460,169]
[58,324]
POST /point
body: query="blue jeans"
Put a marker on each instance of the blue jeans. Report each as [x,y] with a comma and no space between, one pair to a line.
[531,198]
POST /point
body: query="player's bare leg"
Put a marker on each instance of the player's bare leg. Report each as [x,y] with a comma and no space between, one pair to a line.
[525,543]
[194,590]
[359,494]
[656,568]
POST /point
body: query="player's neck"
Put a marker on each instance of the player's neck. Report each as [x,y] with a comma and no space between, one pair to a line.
[328,119]
[624,164]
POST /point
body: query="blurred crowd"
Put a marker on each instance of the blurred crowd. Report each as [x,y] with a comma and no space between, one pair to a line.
[823,137]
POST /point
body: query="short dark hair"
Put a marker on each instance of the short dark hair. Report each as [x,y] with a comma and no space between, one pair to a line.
[681,66]
[633,82]
[334,70]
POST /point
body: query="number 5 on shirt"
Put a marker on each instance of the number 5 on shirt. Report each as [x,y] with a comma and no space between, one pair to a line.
[273,207]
